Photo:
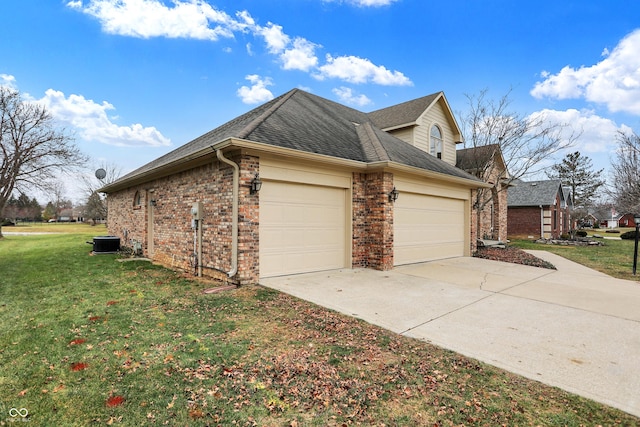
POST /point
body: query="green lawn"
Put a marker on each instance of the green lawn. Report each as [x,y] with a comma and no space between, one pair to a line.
[615,258]
[56,227]
[88,340]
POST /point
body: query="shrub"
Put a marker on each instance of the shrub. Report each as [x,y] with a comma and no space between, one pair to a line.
[581,233]
[629,235]
[564,236]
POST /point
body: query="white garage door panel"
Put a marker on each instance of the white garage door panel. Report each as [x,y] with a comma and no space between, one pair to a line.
[427,228]
[302,228]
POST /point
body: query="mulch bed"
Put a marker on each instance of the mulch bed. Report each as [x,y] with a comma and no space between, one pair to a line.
[512,255]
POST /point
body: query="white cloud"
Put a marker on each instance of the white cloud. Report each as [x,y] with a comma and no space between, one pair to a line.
[614,81]
[301,56]
[274,37]
[258,91]
[7,80]
[91,121]
[596,134]
[197,19]
[353,69]
[151,18]
[349,97]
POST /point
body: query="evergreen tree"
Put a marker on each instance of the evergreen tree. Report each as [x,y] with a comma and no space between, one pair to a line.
[50,212]
[576,172]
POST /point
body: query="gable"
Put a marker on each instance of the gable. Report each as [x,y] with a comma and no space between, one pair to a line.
[413,120]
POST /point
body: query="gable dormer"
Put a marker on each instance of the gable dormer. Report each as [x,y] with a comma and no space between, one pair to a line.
[426,123]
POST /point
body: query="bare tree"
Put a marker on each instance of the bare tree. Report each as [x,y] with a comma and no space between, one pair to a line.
[96,206]
[625,173]
[32,148]
[489,127]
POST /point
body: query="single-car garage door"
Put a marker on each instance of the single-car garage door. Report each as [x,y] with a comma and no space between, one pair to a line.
[302,228]
[427,228]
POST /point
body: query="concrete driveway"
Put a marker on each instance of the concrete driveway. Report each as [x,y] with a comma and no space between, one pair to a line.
[573,328]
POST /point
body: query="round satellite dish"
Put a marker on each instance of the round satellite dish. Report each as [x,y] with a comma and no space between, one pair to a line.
[101,173]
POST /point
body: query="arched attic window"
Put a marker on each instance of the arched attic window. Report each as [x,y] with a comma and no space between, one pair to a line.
[435,145]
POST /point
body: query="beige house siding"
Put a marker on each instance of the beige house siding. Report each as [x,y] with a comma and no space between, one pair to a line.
[405,134]
[436,116]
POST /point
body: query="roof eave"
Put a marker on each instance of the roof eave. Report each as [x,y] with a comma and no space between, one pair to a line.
[399,167]
[201,157]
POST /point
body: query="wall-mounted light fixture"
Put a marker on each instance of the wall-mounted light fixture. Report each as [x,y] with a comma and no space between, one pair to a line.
[256,184]
[393,195]
[152,202]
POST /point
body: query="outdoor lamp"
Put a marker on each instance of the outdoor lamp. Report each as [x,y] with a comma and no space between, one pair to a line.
[636,220]
[393,195]
[256,184]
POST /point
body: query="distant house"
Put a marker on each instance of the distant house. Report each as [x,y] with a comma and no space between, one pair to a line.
[627,220]
[608,217]
[486,163]
[303,184]
[539,209]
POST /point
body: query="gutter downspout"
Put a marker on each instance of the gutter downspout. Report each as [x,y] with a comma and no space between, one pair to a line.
[541,222]
[234,223]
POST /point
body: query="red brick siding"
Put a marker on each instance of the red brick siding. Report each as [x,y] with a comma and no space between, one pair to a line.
[210,184]
[372,221]
[524,221]
[527,220]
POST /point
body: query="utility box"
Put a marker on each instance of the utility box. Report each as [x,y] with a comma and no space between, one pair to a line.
[196,211]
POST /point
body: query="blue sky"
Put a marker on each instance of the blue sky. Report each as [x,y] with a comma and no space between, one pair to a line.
[134,79]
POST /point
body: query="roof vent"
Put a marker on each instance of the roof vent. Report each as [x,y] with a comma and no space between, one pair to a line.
[533,184]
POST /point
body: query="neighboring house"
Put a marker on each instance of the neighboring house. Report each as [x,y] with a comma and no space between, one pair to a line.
[538,208]
[486,162]
[608,217]
[302,184]
[627,220]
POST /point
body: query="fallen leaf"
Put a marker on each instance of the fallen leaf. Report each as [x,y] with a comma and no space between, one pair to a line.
[115,401]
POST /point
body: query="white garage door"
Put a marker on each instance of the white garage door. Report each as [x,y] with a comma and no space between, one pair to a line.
[302,228]
[427,228]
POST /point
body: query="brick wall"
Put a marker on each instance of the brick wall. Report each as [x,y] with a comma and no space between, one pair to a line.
[372,221]
[493,216]
[173,237]
[524,221]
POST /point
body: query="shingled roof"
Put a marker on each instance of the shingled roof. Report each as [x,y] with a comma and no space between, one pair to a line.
[471,159]
[533,193]
[405,113]
[302,121]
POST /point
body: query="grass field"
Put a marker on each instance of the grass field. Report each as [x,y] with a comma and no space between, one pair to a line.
[56,227]
[89,340]
[615,258]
